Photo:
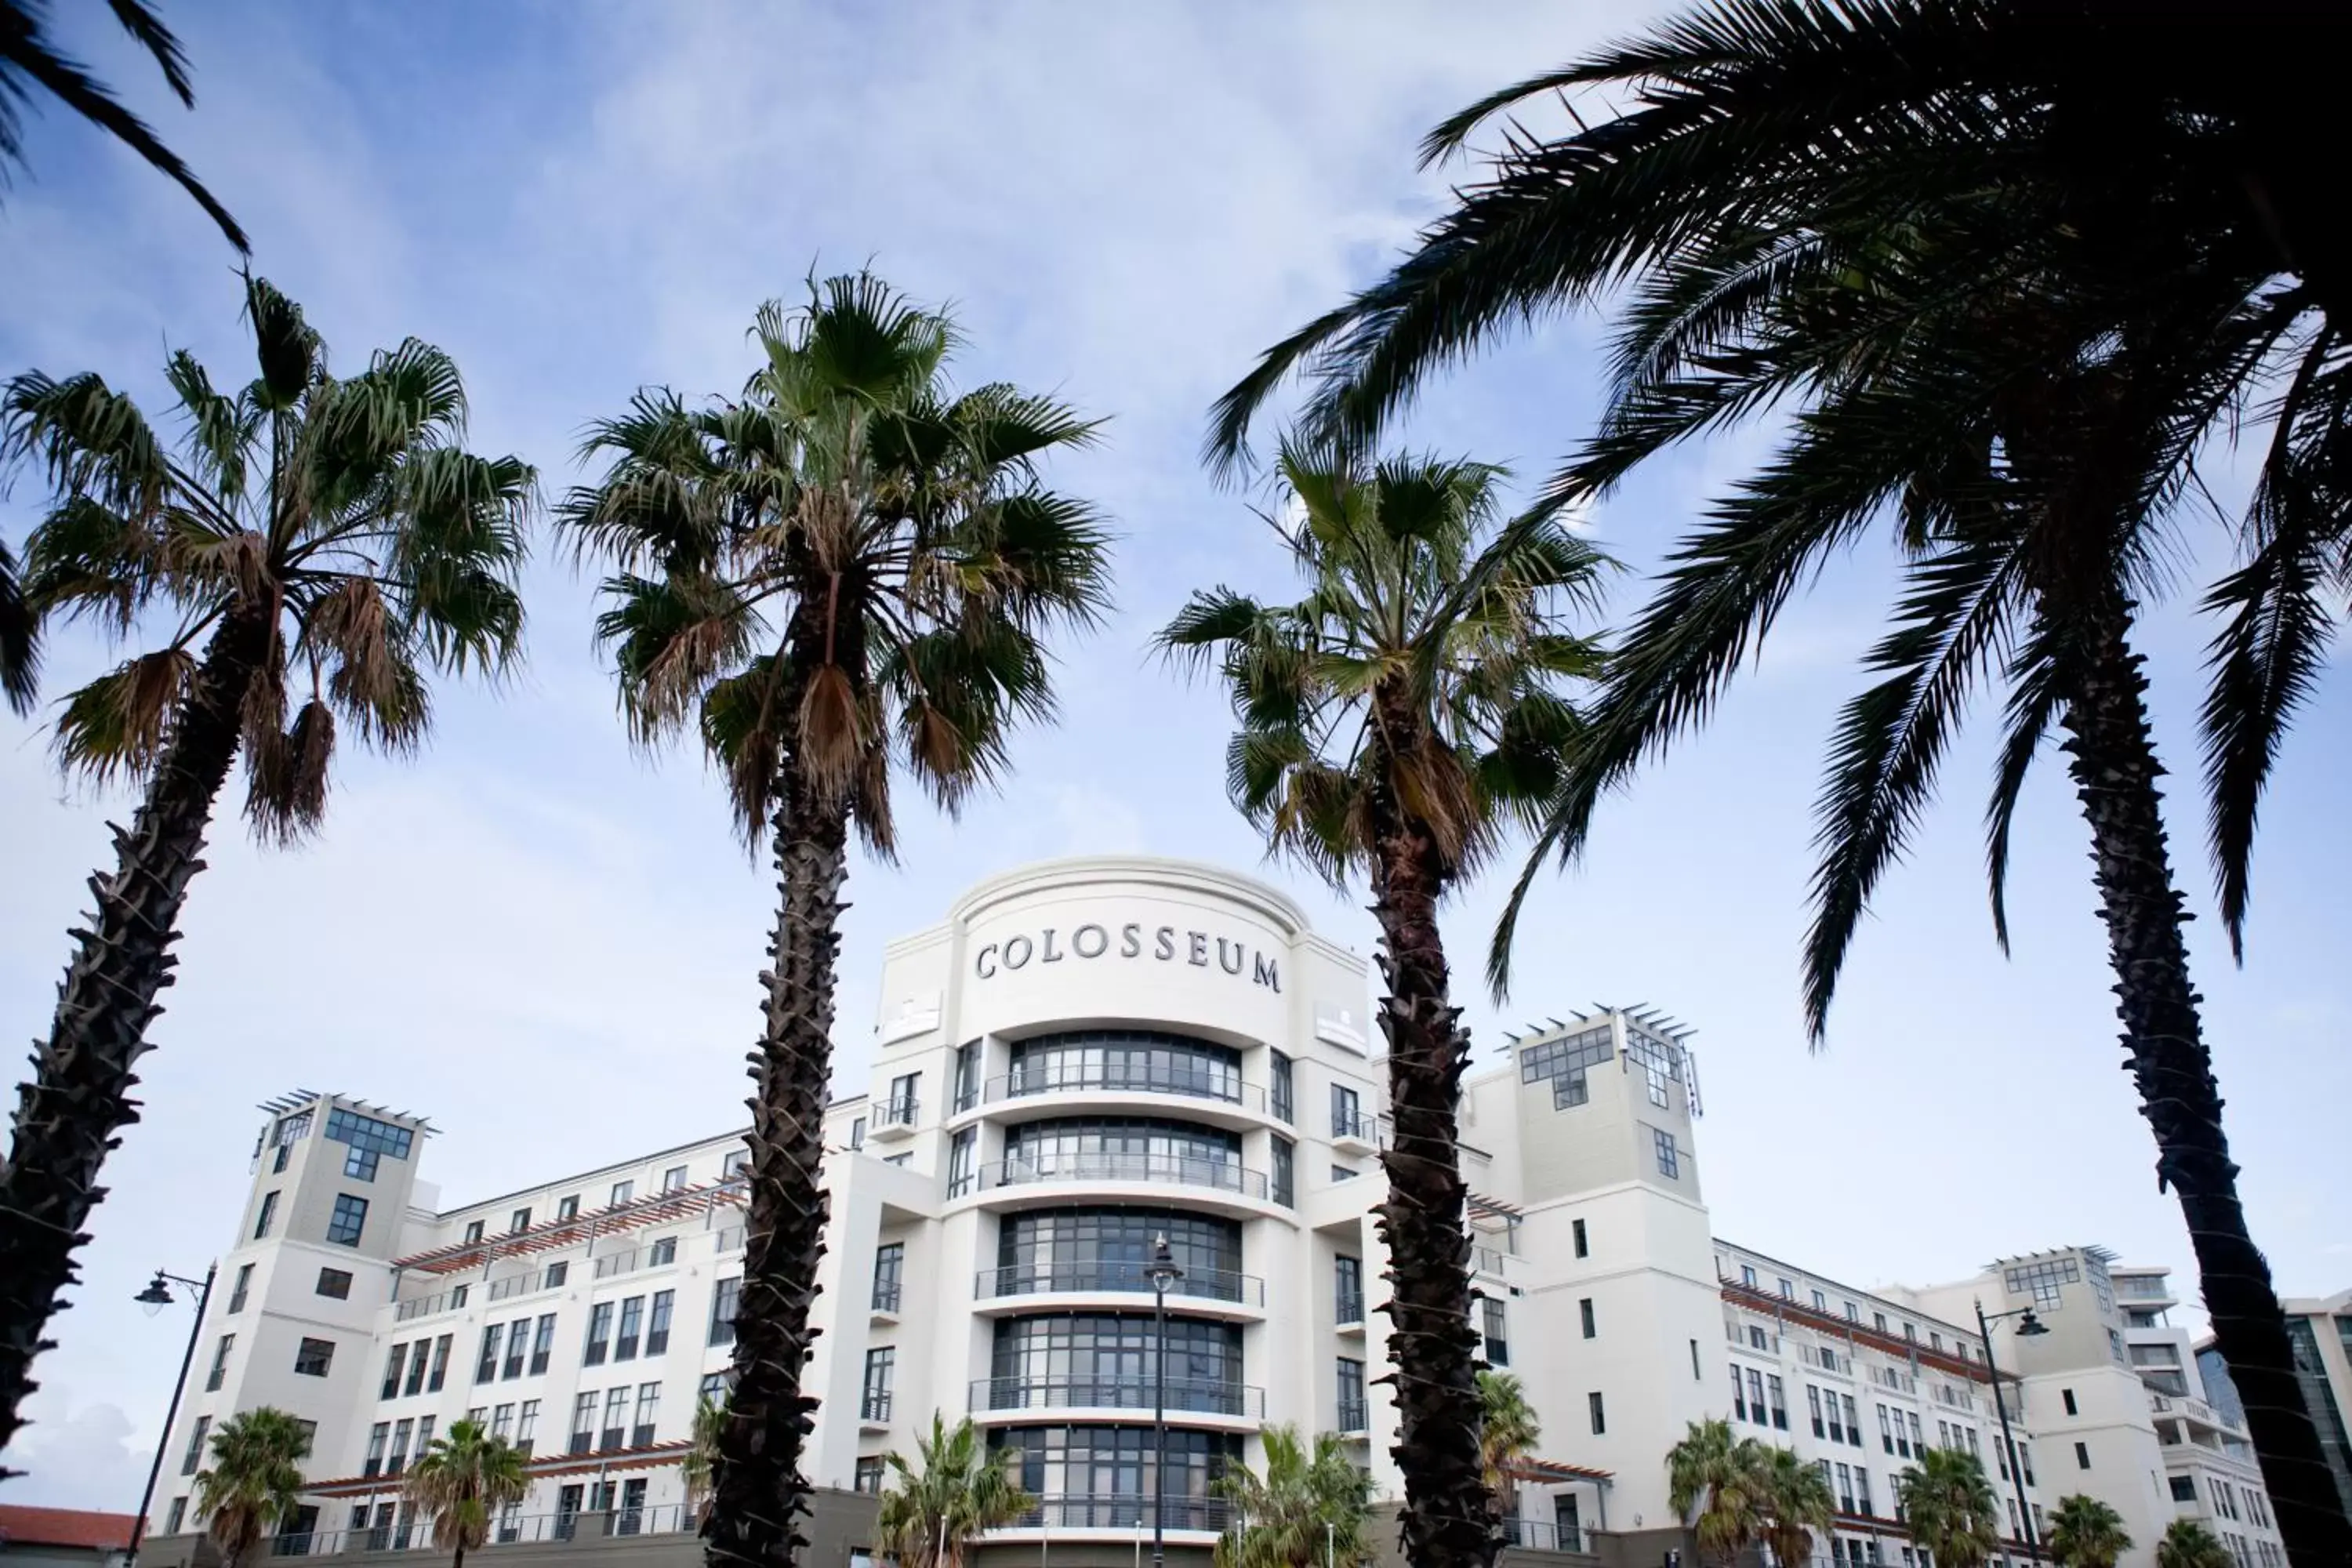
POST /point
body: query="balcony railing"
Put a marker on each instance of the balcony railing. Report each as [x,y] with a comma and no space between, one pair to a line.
[1200,1395]
[1357,1126]
[1180,1169]
[1349,1309]
[885,1296]
[1539,1535]
[893,1114]
[1119,1078]
[1056,1278]
[873,1405]
[1355,1415]
[1114,1511]
[1486,1260]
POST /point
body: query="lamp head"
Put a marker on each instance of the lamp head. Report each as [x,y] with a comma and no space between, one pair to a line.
[1163,1270]
[156,1297]
[2030,1327]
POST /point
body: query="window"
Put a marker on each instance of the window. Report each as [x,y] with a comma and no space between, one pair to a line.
[583,1423]
[1354,1412]
[440,1364]
[1919,1441]
[716,1387]
[1347,1112]
[1788,1287]
[1756,1338]
[2066,1396]
[526,1426]
[674,1179]
[542,1345]
[661,1252]
[349,1218]
[657,1322]
[2043,1281]
[641,1428]
[962,1175]
[1343,1174]
[1498,1338]
[393,1365]
[1853,1313]
[502,1421]
[868,1477]
[1814,1411]
[366,1141]
[967,1075]
[1862,1492]
[1576,1232]
[1886,1432]
[1738,1396]
[237,1291]
[901,1161]
[1878,1321]
[900,1108]
[179,1511]
[313,1357]
[617,1412]
[194,1458]
[568,1208]
[1911,1333]
[1779,1398]
[486,1367]
[398,1461]
[1584,1313]
[1346,1289]
[220,1364]
[722,1310]
[557,1273]
[1599,1417]
[518,1220]
[1562,1063]
[267,1217]
[1845,1488]
[622,1192]
[889,1264]
[600,1332]
[2082,1455]
[457,1295]
[1747,1276]
[1756,1398]
[1820,1302]
[736,1165]
[857,1132]
[1284,1192]
[881,1370]
[1278,1070]
[333,1283]
[473,1231]
[633,1319]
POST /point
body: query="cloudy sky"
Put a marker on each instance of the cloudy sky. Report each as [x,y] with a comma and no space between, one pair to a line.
[549,943]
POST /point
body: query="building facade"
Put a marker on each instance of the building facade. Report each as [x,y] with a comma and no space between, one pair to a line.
[1082,1058]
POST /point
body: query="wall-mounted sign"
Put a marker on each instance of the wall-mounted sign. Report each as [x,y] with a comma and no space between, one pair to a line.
[1131,942]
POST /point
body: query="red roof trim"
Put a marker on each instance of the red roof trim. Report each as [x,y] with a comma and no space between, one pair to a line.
[647,1458]
[22,1526]
[1755,1300]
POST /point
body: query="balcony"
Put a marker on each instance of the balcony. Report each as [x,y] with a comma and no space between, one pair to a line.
[1177,1169]
[893,1120]
[1120,1079]
[1111,1278]
[1355,1417]
[1123,1513]
[1186,1395]
[1354,1132]
[886,1295]
[1348,1312]
[874,1407]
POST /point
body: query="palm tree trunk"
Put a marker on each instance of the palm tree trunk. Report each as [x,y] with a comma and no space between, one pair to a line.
[2115,771]
[758,1488]
[1448,1518]
[68,1116]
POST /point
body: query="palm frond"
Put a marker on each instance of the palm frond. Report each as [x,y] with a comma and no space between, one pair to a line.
[118,725]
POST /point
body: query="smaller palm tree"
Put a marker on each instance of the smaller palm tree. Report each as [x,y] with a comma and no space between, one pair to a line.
[2187,1544]
[1716,1482]
[1308,1509]
[463,1480]
[2087,1533]
[1795,1501]
[1507,1436]
[1949,1508]
[255,1478]
[959,1490]
[701,1461]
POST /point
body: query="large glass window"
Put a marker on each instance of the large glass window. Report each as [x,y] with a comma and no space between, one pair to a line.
[962,1162]
[600,1334]
[967,1076]
[633,1321]
[722,1310]
[881,1373]
[367,1141]
[890,1266]
[1562,1063]
[1354,1413]
[1106,1359]
[1140,1060]
[1124,1148]
[542,1346]
[1348,1113]
[1348,1289]
[1106,1249]
[1285,1172]
[1101,1476]
[486,1367]
[1282,1088]
[657,1322]
[349,1218]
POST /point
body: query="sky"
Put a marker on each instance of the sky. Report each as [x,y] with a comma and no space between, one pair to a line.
[549,943]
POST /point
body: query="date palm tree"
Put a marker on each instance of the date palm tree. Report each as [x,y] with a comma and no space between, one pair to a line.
[2187,1544]
[463,1480]
[1717,1484]
[1949,1508]
[313,546]
[2009,300]
[959,1490]
[1508,1431]
[1310,1507]
[1794,1499]
[1391,723]
[700,1462]
[30,59]
[2087,1533]
[849,570]
[20,643]
[255,1480]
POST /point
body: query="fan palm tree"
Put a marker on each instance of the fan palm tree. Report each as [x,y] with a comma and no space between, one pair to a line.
[1949,1508]
[1718,1484]
[701,1460]
[463,1480]
[2187,1544]
[1795,1501]
[2087,1533]
[1390,722]
[1308,1508]
[255,1480]
[29,58]
[1508,1431]
[959,1489]
[311,548]
[849,568]
[2010,308]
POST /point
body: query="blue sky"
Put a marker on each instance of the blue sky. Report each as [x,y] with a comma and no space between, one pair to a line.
[548,942]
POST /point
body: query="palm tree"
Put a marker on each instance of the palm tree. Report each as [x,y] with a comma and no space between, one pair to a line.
[1949,1508]
[1795,1501]
[255,1481]
[2087,1533]
[1308,1510]
[309,534]
[1389,721]
[1718,1484]
[29,60]
[962,1490]
[20,640]
[463,1480]
[845,569]
[701,1460]
[2187,1544]
[1508,1431]
[2008,310]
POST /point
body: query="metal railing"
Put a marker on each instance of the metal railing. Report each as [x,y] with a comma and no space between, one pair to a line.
[1122,1511]
[1362,1128]
[613,1263]
[1199,1395]
[513,1284]
[1486,1260]
[1351,1309]
[886,1295]
[894,1114]
[1056,1278]
[731,1239]
[1355,1415]
[1119,1078]
[1540,1535]
[873,1405]
[420,1307]
[1181,1170]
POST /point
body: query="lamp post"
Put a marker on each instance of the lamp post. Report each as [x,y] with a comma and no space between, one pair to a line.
[2027,1327]
[159,1295]
[1163,1272]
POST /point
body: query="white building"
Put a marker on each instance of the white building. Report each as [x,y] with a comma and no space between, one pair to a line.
[1085,1055]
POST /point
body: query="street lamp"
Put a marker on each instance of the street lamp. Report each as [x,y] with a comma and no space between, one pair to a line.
[2027,1327]
[159,1295]
[1162,1271]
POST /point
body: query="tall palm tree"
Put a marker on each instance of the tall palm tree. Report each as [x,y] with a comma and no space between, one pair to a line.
[2012,291]
[849,569]
[1795,1501]
[1310,1507]
[29,58]
[1391,722]
[2087,1533]
[959,1490]
[701,1461]
[255,1480]
[463,1479]
[1949,1508]
[2187,1544]
[20,639]
[1715,1483]
[310,549]
[1508,1431]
